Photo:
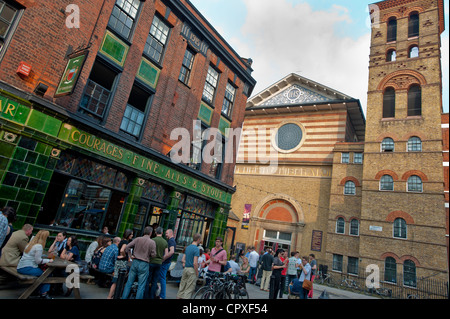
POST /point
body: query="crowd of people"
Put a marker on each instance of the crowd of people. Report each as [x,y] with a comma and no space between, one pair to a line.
[147,260]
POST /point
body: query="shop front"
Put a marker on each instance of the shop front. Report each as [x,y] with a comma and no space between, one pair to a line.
[62,175]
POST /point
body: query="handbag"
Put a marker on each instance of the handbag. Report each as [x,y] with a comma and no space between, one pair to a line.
[307,284]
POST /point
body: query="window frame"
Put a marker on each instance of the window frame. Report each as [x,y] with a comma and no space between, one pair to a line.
[128,15]
[210,88]
[149,50]
[188,68]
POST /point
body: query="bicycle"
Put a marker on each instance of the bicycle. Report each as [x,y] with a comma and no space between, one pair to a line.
[349,283]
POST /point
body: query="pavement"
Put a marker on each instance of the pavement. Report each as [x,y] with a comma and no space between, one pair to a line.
[93,291]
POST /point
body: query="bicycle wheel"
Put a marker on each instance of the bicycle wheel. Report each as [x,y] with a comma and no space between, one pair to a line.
[208,294]
[198,294]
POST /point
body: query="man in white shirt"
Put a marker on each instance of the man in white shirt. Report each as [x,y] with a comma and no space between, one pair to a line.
[253,259]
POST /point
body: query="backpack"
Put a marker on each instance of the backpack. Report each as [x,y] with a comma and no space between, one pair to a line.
[95,261]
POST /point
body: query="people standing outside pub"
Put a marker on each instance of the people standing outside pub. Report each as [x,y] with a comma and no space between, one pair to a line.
[168,255]
[266,266]
[190,272]
[253,259]
[144,248]
[218,257]
[313,264]
[155,264]
[305,274]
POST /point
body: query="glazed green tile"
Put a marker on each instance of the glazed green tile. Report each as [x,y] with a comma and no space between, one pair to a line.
[36,120]
[22,114]
[6,149]
[20,153]
[34,171]
[52,126]
[41,160]
[31,157]
[8,192]
[25,195]
[18,167]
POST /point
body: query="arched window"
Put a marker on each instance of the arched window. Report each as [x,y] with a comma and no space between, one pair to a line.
[340,226]
[389,102]
[349,188]
[392,30]
[413,25]
[414,100]
[400,228]
[415,184]
[391,56]
[414,144]
[354,227]
[386,183]
[409,273]
[387,145]
[390,270]
[413,52]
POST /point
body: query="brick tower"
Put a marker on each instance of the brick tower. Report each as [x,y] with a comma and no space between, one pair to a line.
[402,213]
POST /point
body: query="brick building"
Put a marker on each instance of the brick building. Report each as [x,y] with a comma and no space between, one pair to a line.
[355,190]
[90,94]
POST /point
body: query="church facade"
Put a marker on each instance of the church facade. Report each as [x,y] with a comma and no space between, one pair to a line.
[316,175]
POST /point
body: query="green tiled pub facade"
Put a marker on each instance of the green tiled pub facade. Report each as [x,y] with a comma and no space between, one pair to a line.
[54,172]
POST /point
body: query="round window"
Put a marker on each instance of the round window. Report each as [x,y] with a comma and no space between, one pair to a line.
[288,137]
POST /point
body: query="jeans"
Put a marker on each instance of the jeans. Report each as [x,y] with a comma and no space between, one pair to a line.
[153,276]
[252,274]
[162,279]
[31,271]
[138,269]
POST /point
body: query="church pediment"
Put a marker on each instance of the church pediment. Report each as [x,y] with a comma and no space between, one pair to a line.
[295,90]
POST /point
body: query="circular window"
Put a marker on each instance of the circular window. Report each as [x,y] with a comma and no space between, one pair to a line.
[288,137]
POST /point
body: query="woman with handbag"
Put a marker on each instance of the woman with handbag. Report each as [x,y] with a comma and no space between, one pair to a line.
[305,278]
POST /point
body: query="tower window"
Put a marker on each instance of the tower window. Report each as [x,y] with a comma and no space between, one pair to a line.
[414,100]
[413,25]
[389,103]
[392,30]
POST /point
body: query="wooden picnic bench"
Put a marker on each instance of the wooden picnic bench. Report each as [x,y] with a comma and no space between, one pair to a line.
[44,278]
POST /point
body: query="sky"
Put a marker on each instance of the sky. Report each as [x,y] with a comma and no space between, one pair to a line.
[327,41]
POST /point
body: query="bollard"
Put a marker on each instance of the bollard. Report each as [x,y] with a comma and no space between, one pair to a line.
[120,284]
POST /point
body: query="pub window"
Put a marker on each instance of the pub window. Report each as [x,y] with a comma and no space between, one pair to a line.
[414,144]
[186,66]
[98,91]
[391,55]
[354,227]
[409,273]
[337,262]
[228,101]
[415,184]
[413,52]
[389,103]
[7,15]
[386,183]
[124,16]
[133,118]
[210,85]
[352,267]
[157,39]
[400,228]
[340,226]
[392,30]
[414,100]
[390,270]
[349,188]
[387,145]
[413,25]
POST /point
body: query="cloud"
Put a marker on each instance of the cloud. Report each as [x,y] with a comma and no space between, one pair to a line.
[284,38]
